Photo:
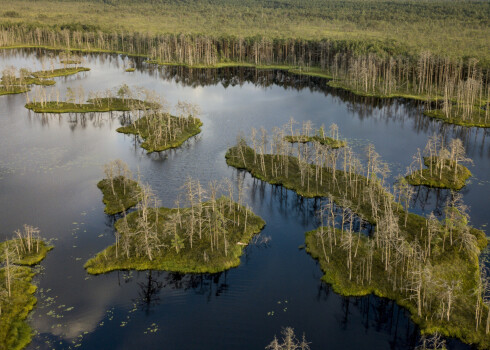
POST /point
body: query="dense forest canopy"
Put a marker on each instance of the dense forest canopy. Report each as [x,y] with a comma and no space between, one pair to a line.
[452,28]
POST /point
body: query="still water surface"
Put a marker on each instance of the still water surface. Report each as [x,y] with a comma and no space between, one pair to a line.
[49,167]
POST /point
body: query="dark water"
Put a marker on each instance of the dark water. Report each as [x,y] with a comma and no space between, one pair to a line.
[49,167]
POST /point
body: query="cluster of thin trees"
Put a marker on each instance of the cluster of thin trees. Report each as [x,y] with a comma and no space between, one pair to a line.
[289,341]
[202,218]
[13,79]
[118,173]
[407,262]
[440,157]
[25,242]
[461,87]
[461,84]
[313,164]
[135,99]
[401,250]
[160,128]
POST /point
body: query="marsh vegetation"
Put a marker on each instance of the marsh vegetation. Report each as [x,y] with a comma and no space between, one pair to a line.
[17,258]
[429,266]
[204,233]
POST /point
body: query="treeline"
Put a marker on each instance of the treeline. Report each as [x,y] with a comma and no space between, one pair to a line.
[460,85]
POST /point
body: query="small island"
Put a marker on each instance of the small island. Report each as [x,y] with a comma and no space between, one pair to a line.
[207,237]
[10,83]
[443,165]
[162,131]
[123,100]
[110,104]
[17,256]
[60,72]
[120,191]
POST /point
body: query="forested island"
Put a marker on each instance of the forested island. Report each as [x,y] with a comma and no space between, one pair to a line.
[208,236]
[17,258]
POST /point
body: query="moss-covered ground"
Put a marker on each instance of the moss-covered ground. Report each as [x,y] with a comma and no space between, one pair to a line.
[152,129]
[325,140]
[479,118]
[99,105]
[124,196]
[38,78]
[60,72]
[447,178]
[219,248]
[15,332]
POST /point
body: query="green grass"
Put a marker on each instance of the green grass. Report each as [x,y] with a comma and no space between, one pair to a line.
[343,85]
[60,72]
[477,119]
[446,179]
[14,90]
[325,140]
[124,197]
[21,86]
[153,143]
[201,258]
[456,28]
[70,61]
[15,333]
[293,69]
[102,105]
[130,69]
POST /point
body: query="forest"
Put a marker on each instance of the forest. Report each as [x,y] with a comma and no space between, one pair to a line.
[453,81]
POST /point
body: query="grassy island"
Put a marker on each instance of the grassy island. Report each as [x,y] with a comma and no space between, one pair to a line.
[448,175]
[120,194]
[16,290]
[94,105]
[207,237]
[21,85]
[442,291]
[10,84]
[429,266]
[304,135]
[60,72]
[120,191]
[444,168]
[130,69]
[325,140]
[162,131]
